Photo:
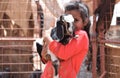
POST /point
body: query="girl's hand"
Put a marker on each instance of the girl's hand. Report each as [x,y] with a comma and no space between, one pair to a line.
[47,37]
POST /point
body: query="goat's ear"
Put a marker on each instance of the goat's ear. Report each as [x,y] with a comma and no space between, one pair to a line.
[61,17]
[39,48]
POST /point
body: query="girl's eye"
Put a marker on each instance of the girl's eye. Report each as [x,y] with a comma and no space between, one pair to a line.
[75,20]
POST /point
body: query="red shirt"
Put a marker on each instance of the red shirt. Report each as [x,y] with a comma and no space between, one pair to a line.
[48,71]
[73,54]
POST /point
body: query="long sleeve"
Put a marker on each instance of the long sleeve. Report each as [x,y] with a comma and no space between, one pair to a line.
[75,46]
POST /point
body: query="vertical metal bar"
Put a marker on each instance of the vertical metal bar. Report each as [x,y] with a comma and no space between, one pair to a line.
[94,57]
[94,50]
[102,55]
[94,44]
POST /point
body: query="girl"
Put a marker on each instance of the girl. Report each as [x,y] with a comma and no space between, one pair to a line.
[73,53]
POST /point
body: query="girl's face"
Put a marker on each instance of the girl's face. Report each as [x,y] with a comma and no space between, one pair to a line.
[78,22]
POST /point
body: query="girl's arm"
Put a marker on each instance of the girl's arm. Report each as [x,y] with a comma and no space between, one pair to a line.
[75,46]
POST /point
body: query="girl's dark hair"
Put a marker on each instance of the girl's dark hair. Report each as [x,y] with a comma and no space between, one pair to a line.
[84,12]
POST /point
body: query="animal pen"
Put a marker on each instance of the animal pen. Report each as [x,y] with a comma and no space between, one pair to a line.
[19,27]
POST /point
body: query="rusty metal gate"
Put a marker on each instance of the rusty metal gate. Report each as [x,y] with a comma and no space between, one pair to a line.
[17,33]
[15,56]
[19,27]
[106,45]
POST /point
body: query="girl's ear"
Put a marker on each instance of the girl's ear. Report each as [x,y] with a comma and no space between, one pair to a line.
[86,21]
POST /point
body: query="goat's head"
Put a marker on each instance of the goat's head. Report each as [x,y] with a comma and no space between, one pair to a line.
[64,29]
